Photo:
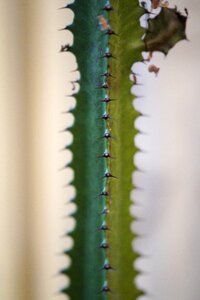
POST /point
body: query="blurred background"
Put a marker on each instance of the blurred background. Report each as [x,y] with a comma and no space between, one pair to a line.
[35,194]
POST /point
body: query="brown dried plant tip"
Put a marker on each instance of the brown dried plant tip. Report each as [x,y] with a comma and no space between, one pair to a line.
[153,69]
[133,78]
[159,3]
[103,22]
[154,4]
[165,30]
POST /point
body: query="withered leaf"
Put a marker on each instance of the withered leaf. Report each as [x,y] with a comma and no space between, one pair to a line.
[165,30]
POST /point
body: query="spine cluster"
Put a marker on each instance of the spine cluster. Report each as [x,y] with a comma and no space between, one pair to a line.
[106,117]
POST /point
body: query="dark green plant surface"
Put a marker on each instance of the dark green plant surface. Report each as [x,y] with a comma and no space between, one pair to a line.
[86,279]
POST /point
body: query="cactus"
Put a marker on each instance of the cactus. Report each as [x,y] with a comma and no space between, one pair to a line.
[107,41]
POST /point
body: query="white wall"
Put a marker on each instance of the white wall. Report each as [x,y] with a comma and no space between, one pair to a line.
[170,203]
[13,158]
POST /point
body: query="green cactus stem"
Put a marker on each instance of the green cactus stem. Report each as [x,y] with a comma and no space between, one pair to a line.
[107,41]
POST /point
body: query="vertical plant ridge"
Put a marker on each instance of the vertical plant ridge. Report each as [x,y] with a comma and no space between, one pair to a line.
[126,46]
[87,280]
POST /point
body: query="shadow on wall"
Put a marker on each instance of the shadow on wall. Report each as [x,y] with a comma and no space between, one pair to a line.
[169,204]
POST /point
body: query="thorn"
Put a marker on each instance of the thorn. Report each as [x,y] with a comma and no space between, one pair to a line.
[108,8]
[63,291]
[109,31]
[107,74]
[105,117]
[139,97]
[64,130]
[105,289]
[65,28]
[139,84]
[63,271]
[107,55]
[138,188]
[104,246]
[66,6]
[63,7]
[108,175]
[64,167]
[74,70]
[103,86]
[104,193]
[143,4]
[106,154]
[103,227]
[144,115]
[186,11]
[65,48]
[105,211]
[64,112]
[74,84]
[134,78]
[65,148]
[107,267]
[107,99]
[107,135]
